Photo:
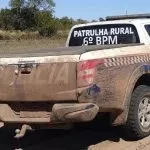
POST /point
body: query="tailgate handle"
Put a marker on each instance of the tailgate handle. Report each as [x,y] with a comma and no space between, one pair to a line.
[25,68]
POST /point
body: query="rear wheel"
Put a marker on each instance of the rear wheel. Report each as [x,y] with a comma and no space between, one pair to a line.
[138,121]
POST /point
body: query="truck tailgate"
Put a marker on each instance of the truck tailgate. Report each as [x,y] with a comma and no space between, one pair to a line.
[42,75]
[42,78]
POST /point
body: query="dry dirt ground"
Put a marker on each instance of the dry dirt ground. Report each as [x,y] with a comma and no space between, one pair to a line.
[91,136]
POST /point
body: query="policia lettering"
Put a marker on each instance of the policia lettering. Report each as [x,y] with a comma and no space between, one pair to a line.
[102,36]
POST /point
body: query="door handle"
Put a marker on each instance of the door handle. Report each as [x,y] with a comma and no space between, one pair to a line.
[26,69]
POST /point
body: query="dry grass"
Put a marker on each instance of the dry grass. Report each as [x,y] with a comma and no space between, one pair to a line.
[26,41]
[28,45]
[18,35]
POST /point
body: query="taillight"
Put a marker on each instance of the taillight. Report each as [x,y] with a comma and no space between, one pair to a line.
[86,71]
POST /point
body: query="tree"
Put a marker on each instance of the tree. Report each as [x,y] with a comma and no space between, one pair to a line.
[45,23]
[32,14]
[23,19]
[81,21]
[17,4]
[5,19]
[94,20]
[47,5]
[66,22]
[101,19]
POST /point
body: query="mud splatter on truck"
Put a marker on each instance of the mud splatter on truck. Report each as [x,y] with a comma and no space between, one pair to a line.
[104,68]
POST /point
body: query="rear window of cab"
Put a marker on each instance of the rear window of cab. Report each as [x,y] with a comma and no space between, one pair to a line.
[147,27]
[109,34]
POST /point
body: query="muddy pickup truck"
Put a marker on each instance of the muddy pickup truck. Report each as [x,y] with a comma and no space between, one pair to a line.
[104,69]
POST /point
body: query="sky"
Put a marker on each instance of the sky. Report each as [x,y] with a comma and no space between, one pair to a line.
[94,9]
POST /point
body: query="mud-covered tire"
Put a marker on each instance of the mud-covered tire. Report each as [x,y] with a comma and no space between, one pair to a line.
[138,121]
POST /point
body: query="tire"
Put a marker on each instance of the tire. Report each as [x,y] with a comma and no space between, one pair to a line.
[138,120]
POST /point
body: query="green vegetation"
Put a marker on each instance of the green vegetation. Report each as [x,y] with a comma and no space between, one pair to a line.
[32,18]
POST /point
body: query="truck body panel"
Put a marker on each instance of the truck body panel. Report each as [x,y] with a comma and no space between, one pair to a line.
[51,78]
[74,84]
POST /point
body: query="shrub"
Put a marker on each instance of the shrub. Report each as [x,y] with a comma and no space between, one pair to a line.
[46,24]
[48,30]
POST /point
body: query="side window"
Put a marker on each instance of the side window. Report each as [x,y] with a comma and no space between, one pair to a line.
[147,27]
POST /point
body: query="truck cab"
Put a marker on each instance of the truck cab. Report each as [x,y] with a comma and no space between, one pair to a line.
[112,31]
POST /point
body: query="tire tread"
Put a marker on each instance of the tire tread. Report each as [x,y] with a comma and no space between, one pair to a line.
[131,128]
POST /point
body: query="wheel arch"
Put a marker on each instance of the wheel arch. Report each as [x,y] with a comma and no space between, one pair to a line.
[140,76]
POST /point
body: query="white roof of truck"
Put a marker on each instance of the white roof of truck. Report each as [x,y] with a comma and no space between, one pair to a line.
[123,21]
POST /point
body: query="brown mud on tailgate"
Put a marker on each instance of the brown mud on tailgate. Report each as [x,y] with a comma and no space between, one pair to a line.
[44,75]
[38,82]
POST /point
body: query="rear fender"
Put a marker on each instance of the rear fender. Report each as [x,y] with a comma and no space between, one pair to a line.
[120,118]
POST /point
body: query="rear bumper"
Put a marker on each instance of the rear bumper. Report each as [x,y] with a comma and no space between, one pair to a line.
[60,113]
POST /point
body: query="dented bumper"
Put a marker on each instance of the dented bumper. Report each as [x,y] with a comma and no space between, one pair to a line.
[60,113]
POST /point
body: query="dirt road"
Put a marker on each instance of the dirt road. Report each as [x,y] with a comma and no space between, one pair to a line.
[122,145]
[93,135]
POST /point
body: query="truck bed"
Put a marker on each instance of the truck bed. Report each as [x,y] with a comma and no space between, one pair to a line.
[59,51]
[42,75]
